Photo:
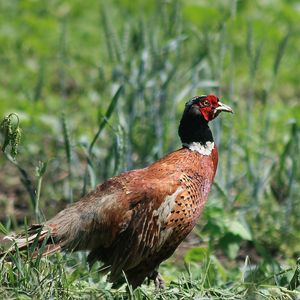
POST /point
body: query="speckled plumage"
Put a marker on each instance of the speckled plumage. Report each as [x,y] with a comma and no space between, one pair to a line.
[134,221]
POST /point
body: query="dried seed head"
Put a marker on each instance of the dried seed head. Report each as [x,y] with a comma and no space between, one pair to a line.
[15,141]
[11,133]
[6,130]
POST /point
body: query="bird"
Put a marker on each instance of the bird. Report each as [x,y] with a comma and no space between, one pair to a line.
[134,221]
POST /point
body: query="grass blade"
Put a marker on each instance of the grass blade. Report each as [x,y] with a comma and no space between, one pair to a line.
[106,117]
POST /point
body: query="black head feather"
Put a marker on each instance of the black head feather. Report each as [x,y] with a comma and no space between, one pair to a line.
[193,127]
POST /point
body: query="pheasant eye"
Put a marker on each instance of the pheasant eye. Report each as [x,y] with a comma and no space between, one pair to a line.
[206,102]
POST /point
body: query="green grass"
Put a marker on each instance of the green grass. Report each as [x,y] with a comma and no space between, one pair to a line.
[66,277]
[100,88]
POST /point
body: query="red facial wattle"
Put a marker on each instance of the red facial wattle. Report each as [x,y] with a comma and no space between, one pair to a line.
[213,107]
[206,113]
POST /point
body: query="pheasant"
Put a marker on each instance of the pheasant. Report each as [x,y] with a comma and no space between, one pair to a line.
[134,221]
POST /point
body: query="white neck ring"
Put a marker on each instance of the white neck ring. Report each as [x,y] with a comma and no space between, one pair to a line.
[201,149]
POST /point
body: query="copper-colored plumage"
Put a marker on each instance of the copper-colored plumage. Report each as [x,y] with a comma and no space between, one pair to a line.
[134,221]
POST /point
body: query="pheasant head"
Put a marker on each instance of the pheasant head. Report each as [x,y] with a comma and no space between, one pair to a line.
[198,112]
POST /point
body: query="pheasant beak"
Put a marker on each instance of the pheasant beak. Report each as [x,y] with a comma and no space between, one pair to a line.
[223,107]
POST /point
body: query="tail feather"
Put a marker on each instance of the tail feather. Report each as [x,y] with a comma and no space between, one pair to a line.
[68,230]
[27,239]
[35,236]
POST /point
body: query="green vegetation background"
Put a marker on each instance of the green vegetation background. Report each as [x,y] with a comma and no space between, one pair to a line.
[99,87]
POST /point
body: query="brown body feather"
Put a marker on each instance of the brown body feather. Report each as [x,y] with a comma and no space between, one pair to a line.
[134,221]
